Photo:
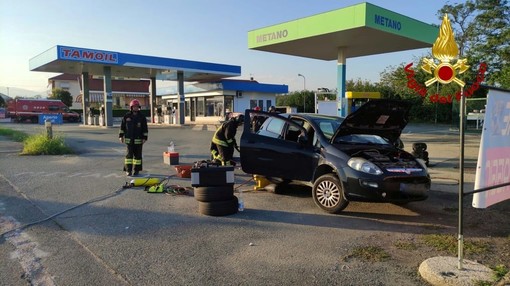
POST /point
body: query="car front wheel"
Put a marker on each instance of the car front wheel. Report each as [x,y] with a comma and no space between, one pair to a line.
[328,194]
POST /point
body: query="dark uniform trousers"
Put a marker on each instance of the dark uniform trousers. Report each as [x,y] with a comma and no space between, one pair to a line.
[133,159]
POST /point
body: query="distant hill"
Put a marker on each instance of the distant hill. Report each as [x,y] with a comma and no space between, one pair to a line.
[5,97]
[19,92]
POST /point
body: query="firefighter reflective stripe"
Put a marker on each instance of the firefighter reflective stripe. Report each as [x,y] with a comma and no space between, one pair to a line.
[136,141]
[128,161]
[137,161]
[217,141]
[146,134]
[215,155]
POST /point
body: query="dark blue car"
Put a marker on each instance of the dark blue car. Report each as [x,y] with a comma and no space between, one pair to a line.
[357,158]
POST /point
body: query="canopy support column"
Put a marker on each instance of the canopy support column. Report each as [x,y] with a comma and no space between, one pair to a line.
[108,101]
[85,97]
[341,68]
[152,99]
[180,94]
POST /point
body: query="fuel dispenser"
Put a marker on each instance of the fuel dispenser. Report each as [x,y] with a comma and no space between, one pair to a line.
[102,116]
[167,116]
[355,99]
[91,116]
[159,114]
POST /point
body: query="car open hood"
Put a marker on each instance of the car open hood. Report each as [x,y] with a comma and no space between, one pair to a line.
[384,117]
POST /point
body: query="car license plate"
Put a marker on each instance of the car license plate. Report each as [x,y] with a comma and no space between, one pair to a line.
[416,189]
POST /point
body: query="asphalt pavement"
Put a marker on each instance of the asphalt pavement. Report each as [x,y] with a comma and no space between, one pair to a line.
[78,226]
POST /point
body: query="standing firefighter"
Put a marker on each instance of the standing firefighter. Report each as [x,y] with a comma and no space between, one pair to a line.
[224,141]
[133,132]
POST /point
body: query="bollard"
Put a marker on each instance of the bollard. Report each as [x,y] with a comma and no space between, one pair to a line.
[49,129]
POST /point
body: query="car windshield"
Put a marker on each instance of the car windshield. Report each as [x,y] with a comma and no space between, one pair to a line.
[361,139]
[328,125]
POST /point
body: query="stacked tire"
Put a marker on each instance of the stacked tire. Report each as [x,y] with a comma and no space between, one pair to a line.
[420,151]
[216,200]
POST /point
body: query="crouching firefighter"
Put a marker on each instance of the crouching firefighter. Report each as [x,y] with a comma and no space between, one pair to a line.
[224,141]
[133,132]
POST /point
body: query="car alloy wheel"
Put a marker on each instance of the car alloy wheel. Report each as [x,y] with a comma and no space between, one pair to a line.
[328,194]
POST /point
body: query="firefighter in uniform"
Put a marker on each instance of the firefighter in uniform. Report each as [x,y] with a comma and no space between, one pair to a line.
[133,132]
[224,141]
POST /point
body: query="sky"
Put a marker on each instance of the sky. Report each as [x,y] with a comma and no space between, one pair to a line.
[197,30]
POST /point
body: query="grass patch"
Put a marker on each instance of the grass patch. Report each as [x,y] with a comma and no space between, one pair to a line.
[500,271]
[38,144]
[448,243]
[405,245]
[370,253]
[15,135]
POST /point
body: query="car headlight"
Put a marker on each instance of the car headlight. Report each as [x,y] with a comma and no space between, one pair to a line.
[362,165]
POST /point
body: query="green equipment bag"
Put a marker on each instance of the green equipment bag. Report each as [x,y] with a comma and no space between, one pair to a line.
[160,188]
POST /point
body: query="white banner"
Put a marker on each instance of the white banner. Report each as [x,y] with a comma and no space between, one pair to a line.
[493,167]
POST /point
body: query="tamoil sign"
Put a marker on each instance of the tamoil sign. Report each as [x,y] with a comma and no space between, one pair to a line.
[87,55]
[445,51]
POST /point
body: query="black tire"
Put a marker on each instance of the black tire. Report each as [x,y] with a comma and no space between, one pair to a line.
[214,193]
[328,194]
[221,208]
[419,147]
[281,188]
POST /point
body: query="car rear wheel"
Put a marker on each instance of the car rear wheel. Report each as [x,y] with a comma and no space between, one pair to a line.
[328,194]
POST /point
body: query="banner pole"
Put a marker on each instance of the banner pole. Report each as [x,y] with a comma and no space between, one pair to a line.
[461,179]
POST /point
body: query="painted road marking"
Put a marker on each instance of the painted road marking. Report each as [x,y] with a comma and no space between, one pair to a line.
[26,251]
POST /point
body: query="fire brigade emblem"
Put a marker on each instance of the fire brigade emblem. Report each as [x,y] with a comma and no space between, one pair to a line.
[445,50]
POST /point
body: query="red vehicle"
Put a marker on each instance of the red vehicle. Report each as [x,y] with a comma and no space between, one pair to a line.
[29,109]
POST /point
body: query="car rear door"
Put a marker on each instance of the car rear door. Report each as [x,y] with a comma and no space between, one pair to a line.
[275,150]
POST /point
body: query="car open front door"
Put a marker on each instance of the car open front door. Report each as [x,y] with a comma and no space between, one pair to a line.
[273,151]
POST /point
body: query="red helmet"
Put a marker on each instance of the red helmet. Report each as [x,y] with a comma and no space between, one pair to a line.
[256,108]
[134,102]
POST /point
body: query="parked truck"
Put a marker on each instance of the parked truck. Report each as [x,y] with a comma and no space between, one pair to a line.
[21,110]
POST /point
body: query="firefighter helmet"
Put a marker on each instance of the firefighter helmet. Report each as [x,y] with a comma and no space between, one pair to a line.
[256,108]
[134,102]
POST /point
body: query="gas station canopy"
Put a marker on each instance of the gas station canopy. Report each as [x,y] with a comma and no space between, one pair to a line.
[86,62]
[73,60]
[358,30]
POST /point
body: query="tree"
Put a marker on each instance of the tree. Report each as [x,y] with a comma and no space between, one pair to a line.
[360,85]
[2,102]
[62,95]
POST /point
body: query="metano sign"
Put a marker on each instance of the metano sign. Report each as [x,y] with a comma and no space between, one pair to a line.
[362,29]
